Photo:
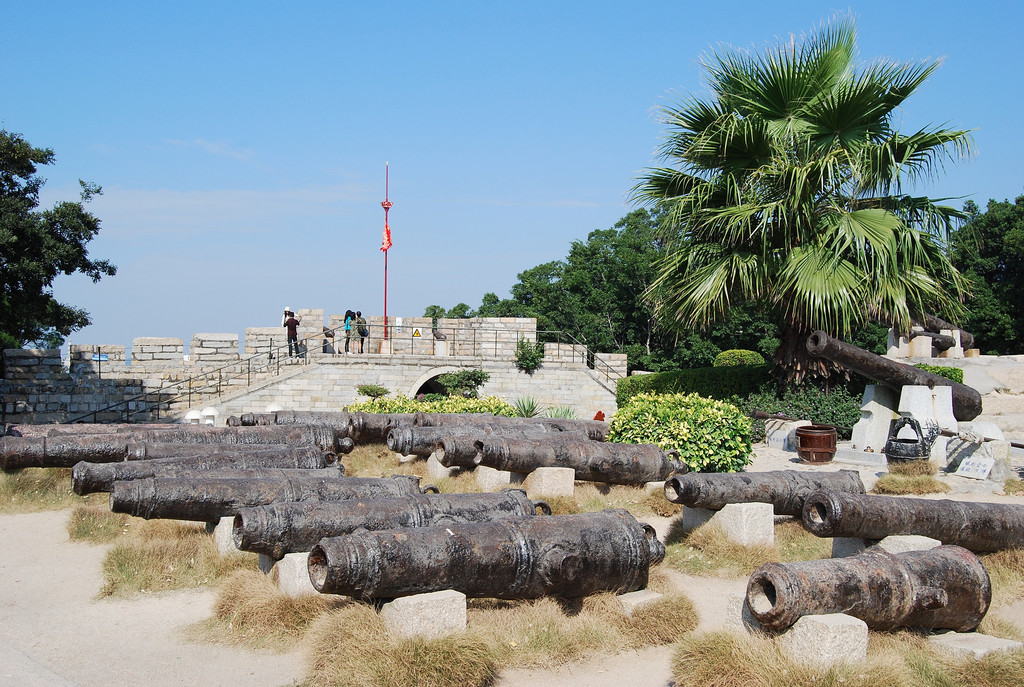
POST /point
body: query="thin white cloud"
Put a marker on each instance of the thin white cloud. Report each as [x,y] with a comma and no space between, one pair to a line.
[219,148]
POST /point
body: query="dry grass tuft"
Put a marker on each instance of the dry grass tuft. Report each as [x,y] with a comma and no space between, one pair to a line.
[36,489]
[352,647]
[708,551]
[1006,570]
[1013,487]
[251,611]
[900,659]
[913,467]
[96,524]
[794,543]
[160,555]
[462,482]
[909,484]
[998,627]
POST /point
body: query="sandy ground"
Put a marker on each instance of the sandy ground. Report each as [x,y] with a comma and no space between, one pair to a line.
[54,630]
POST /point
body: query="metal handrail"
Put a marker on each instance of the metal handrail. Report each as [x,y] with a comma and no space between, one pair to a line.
[201,383]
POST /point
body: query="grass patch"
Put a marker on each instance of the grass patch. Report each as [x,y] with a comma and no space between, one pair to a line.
[913,467]
[159,555]
[35,489]
[902,659]
[708,551]
[908,484]
[1013,487]
[96,525]
[500,634]
[1006,570]
[251,611]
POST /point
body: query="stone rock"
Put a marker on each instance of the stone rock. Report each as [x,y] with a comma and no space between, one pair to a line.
[292,574]
[550,482]
[971,644]
[826,640]
[489,479]
[634,600]
[223,537]
[748,524]
[431,615]
[738,615]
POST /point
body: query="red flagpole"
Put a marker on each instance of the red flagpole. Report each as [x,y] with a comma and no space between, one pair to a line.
[386,204]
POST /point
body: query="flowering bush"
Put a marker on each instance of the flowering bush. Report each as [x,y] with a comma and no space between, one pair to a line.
[710,435]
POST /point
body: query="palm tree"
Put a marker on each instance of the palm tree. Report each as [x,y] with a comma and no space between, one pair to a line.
[787,187]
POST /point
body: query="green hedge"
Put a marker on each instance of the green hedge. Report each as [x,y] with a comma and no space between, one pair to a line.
[449,404]
[738,356]
[710,435]
[954,374]
[711,382]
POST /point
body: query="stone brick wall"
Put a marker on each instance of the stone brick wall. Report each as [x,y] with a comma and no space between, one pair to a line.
[147,349]
[213,348]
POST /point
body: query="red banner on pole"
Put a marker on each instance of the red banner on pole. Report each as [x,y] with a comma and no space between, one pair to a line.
[386,243]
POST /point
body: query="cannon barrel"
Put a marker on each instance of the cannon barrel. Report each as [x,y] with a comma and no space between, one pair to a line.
[784,489]
[943,342]
[340,421]
[522,558]
[592,461]
[65,450]
[976,526]
[936,324]
[282,528]
[57,429]
[422,441]
[596,430]
[942,588]
[966,401]
[87,478]
[306,453]
[374,427]
[208,499]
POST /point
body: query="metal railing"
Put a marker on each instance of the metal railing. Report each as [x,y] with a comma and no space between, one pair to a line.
[479,341]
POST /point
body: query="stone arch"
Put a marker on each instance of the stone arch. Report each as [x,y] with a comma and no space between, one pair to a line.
[427,376]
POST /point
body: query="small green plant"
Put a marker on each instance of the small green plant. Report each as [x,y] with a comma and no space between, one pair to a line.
[738,356]
[710,436]
[529,355]
[464,382]
[372,390]
[399,403]
[953,374]
[526,406]
[563,412]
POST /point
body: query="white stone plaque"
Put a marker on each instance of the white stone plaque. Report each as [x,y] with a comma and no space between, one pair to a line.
[976,467]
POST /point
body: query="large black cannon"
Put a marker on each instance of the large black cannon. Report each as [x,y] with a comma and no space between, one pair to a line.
[340,420]
[523,558]
[966,401]
[282,528]
[303,453]
[210,498]
[976,526]
[411,440]
[65,450]
[784,489]
[592,461]
[942,588]
[87,478]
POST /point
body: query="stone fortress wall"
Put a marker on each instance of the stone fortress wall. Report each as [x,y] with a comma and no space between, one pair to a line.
[38,386]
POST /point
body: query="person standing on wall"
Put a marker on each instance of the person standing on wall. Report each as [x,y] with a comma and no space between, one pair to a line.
[349,316]
[361,329]
[291,323]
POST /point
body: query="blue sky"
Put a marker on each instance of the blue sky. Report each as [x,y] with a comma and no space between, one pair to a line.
[241,146]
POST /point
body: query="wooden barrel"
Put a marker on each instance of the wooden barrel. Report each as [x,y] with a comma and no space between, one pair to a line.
[816,444]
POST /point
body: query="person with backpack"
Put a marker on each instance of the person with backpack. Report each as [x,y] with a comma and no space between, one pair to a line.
[349,316]
[361,329]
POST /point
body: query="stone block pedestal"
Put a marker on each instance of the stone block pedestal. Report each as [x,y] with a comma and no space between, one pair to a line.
[748,524]
[550,482]
[292,574]
[489,479]
[971,644]
[222,535]
[432,615]
[826,640]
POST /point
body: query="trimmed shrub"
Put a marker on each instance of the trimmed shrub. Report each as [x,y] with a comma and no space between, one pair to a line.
[529,355]
[953,374]
[463,382]
[721,383]
[838,406]
[372,390]
[449,404]
[738,356]
[710,435]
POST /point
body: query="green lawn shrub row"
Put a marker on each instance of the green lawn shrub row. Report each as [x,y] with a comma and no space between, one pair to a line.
[449,404]
[954,374]
[721,383]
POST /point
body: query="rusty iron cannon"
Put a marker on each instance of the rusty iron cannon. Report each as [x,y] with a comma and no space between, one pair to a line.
[932,323]
[81,428]
[152,450]
[340,420]
[66,450]
[282,528]
[422,441]
[210,498]
[596,430]
[966,401]
[523,558]
[979,527]
[374,427]
[87,478]
[592,461]
[784,489]
[942,588]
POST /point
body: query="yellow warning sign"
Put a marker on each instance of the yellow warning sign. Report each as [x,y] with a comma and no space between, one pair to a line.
[415,333]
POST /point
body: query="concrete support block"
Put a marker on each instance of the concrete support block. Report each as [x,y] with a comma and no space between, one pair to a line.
[897,346]
[432,615]
[748,524]
[634,600]
[971,644]
[844,547]
[957,350]
[489,479]
[550,482]
[928,406]
[921,347]
[826,640]
[849,456]
[877,410]
[654,487]
[738,615]
[401,458]
[265,563]
[293,575]
[222,536]
[782,433]
[901,543]
[438,471]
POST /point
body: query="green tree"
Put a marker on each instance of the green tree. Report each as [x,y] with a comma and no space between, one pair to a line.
[36,246]
[786,188]
[989,250]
